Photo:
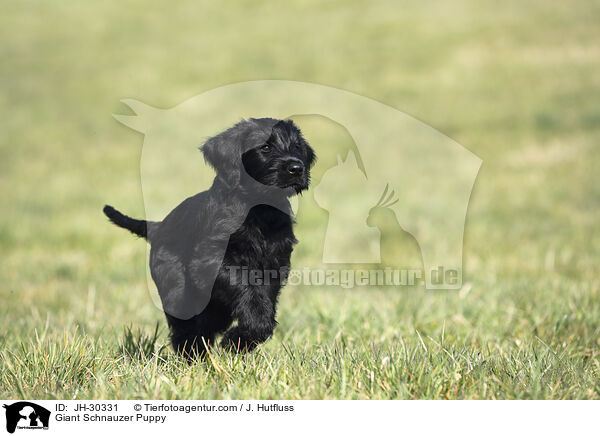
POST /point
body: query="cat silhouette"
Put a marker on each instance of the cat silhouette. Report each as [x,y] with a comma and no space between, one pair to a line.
[348,239]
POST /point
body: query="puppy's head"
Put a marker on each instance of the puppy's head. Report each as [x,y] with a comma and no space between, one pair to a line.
[265,150]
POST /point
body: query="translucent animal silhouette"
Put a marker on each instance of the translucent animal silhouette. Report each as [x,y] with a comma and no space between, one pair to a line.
[438,173]
[399,249]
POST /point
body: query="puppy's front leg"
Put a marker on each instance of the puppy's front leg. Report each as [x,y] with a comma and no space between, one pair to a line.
[255,313]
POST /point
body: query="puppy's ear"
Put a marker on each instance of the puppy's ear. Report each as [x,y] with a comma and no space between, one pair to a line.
[224,153]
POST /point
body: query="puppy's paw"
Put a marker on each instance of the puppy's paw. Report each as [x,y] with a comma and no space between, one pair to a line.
[233,340]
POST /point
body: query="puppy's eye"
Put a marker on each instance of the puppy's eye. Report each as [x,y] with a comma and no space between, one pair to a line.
[266,148]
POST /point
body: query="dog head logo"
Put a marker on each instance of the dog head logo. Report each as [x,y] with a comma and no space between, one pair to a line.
[26,415]
[424,177]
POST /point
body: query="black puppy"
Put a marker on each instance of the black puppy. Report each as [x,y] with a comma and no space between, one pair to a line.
[204,253]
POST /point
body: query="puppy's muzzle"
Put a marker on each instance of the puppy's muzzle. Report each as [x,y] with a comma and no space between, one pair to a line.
[295,167]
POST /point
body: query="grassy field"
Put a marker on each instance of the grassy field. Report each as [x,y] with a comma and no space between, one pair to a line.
[515,83]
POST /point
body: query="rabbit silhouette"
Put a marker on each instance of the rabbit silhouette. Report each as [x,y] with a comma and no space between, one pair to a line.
[399,248]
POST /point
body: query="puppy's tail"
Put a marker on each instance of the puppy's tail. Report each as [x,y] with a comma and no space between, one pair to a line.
[137,227]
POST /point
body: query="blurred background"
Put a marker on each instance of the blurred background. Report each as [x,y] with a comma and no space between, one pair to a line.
[515,83]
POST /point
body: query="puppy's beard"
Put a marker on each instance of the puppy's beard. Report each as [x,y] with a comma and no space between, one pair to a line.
[294,189]
[273,181]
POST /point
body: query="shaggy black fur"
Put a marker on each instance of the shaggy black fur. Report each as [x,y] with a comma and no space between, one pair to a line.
[243,220]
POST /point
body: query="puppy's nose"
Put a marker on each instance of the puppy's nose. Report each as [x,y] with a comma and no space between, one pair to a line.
[295,168]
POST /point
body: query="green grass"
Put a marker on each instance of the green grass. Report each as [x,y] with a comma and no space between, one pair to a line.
[516,84]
